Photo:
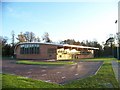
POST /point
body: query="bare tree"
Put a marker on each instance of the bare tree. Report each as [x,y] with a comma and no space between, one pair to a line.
[6,49]
[46,37]
[38,39]
[21,38]
[110,42]
[3,40]
[29,36]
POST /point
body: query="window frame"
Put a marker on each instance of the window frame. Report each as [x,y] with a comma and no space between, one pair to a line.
[30,48]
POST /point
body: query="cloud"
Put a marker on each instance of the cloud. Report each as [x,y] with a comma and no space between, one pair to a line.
[16,13]
[12,12]
[10,9]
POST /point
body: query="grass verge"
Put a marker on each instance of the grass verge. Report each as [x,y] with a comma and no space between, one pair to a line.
[105,78]
[45,63]
[13,81]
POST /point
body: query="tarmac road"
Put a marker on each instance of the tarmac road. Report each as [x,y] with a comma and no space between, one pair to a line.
[54,74]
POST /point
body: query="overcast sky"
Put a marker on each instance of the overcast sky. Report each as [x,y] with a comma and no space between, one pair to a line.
[62,20]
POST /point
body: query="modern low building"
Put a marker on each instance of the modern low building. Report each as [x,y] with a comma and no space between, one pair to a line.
[32,50]
[75,52]
[43,51]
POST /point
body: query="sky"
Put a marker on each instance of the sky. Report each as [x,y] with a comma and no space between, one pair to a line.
[62,20]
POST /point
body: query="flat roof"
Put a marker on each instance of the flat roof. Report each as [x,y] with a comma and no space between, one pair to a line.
[77,46]
[60,45]
[40,43]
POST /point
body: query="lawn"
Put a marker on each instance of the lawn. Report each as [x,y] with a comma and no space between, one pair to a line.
[13,81]
[45,63]
[105,78]
[118,61]
[99,59]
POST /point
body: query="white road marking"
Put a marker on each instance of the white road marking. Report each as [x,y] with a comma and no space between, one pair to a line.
[47,80]
[76,74]
[43,70]
[43,74]
[29,72]
[58,72]
[63,77]
[22,77]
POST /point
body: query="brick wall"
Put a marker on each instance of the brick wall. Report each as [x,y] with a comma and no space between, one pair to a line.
[86,56]
[42,55]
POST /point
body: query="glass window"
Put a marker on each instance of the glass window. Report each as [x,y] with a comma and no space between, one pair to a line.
[35,49]
[32,51]
[24,51]
[29,49]
[21,49]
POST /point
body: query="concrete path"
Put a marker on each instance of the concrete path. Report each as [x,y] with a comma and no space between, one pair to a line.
[55,74]
[116,69]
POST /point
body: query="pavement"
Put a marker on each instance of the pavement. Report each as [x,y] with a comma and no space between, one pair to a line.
[54,74]
[116,69]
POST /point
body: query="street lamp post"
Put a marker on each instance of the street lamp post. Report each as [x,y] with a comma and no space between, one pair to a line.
[118,34]
[118,39]
[118,51]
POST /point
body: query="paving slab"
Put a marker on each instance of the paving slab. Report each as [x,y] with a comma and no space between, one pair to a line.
[116,69]
[54,74]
